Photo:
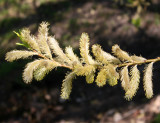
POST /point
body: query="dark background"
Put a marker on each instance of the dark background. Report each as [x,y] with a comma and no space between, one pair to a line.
[107,22]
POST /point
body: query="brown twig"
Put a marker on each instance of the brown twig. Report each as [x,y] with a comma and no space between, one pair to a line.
[61,65]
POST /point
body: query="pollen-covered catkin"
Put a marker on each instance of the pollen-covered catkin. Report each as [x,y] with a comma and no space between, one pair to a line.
[85,70]
[43,64]
[123,55]
[103,56]
[134,83]
[137,58]
[30,68]
[101,77]
[67,85]
[113,76]
[44,68]
[70,54]
[84,49]
[19,54]
[125,81]
[90,77]
[30,40]
[61,56]
[147,80]
[42,40]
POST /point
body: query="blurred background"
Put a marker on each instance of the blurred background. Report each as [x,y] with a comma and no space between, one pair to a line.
[133,24]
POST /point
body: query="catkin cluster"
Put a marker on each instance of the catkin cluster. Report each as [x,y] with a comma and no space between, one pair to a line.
[109,68]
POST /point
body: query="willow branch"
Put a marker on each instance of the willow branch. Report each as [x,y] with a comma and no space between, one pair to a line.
[139,63]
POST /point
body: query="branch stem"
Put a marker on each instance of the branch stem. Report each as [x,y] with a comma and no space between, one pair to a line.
[42,56]
[139,63]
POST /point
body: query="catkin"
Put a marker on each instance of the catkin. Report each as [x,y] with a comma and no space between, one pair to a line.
[124,56]
[19,54]
[125,81]
[42,40]
[134,83]
[103,56]
[67,85]
[147,80]
[84,49]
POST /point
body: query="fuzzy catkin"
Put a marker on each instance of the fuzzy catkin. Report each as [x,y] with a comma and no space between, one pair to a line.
[70,54]
[67,85]
[42,40]
[124,56]
[101,78]
[61,56]
[19,54]
[43,64]
[113,76]
[90,77]
[147,80]
[124,76]
[85,70]
[104,57]
[84,49]
[134,83]
[29,39]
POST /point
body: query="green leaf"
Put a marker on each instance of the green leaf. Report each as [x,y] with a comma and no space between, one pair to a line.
[24,43]
[136,22]
[20,44]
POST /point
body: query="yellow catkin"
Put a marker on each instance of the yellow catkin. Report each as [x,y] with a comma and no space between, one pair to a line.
[84,49]
[137,58]
[42,40]
[40,73]
[134,83]
[113,76]
[101,77]
[121,54]
[30,68]
[61,56]
[90,78]
[33,66]
[70,54]
[84,70]
[44,68]
[147,80]
[67,85]
[19,54]
[103,56]
[124,76]
[29,39]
